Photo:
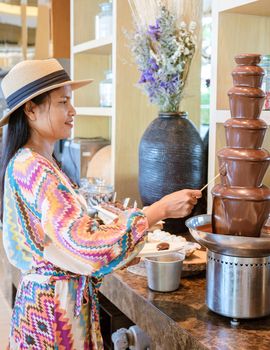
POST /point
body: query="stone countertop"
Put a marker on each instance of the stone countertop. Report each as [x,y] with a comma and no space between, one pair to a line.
[181,320]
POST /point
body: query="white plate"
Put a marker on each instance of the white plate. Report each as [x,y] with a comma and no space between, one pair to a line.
[105,215]
[196,263]
[150,249]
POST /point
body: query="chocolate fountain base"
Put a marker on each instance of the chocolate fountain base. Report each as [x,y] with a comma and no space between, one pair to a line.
[238,287]
[238,271]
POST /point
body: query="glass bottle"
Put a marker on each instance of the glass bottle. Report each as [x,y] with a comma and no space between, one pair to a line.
[103,27]
[105,90]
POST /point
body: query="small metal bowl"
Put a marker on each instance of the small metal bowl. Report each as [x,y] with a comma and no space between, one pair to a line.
[164,271]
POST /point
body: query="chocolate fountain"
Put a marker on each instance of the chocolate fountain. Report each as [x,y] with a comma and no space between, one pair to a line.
[240,202]
[238,266]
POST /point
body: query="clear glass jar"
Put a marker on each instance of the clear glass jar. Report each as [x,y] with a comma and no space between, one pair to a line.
[95,191]
[265,64]
[103,26]
[105,90]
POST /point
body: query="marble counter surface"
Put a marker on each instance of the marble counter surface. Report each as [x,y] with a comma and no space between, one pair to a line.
[181,320]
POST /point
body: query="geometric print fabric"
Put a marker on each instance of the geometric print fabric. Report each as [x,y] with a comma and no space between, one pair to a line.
[46,230]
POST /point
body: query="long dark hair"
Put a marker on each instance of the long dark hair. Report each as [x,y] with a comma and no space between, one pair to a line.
[17,134]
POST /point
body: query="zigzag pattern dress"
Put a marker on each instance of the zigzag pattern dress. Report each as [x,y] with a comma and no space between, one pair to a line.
[62,253]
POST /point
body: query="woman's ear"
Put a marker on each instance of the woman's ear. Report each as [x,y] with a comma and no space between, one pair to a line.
[29,110]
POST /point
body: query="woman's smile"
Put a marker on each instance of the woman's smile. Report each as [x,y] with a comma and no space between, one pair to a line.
[69,123]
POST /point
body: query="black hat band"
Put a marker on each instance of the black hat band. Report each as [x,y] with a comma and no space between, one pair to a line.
[23,93]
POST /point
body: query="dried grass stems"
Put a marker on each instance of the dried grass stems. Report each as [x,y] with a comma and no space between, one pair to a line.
[163,45]
[145,12]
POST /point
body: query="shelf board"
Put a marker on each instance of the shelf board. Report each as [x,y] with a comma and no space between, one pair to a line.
[245,7]
[94,111]
[101,46]
[222,115]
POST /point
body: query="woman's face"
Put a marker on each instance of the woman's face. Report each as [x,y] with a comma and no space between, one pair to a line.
[53,120]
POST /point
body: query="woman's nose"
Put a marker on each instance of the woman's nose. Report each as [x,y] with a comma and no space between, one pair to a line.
[72,110]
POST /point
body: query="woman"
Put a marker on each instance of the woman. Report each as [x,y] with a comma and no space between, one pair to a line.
[62,253]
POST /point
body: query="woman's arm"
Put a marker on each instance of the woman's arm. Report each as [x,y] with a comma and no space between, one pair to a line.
[175,205]
[66,225]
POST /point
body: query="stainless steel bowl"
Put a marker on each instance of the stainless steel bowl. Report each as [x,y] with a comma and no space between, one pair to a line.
[164,272]
[225,244]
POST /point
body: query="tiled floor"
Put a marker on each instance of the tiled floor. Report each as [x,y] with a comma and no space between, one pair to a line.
[5,315]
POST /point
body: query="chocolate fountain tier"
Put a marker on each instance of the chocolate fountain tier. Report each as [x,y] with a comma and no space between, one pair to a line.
[245,133]
[240,211]
[246,102]
[248,59]
[243,167]
[248,76]
[249,247]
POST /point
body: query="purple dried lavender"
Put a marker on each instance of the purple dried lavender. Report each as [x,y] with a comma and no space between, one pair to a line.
[154,31]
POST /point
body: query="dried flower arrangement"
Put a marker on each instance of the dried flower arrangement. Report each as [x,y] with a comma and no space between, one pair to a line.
[163,45]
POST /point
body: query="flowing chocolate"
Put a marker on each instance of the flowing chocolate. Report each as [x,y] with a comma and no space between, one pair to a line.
[246,102]
[240,211]
[241,203]
[240,164]
[247,73]
[245,133]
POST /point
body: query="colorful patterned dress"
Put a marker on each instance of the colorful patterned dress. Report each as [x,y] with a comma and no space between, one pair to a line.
[62,253]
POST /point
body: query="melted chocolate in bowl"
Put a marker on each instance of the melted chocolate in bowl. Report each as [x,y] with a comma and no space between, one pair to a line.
[205,228]
[208,228]
[241,203]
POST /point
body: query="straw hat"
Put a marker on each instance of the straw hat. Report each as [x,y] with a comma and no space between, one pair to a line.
[29,79]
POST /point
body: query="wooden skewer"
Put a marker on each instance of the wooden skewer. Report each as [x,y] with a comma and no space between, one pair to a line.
[214,178]
[114,197]
[126,201]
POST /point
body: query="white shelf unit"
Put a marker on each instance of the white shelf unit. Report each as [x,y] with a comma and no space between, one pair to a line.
[238,27]
[101,46]
[124,122]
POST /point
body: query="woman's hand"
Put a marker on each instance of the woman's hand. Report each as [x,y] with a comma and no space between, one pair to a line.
[175,205]
[180,204]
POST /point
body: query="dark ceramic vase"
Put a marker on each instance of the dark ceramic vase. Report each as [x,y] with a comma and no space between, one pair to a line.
[171,158]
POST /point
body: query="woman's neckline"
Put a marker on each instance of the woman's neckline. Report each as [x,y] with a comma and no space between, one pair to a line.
[59,170]
[52,161]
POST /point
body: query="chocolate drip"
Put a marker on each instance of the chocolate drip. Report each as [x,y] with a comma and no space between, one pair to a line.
[241,203]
